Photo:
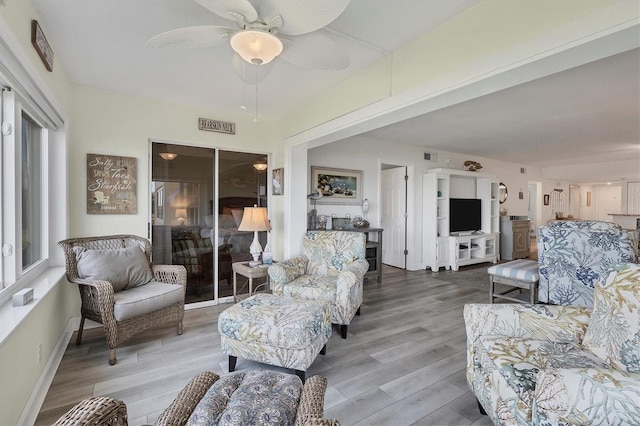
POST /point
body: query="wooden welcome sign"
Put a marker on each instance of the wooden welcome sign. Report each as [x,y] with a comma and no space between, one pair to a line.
[111,184]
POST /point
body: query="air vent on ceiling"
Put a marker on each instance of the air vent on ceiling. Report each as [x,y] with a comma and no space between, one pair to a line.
[429,156]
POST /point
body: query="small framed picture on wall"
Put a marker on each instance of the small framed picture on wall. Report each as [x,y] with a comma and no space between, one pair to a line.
[278,182]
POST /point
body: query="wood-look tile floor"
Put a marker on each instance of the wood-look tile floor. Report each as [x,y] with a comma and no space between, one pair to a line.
[403,362]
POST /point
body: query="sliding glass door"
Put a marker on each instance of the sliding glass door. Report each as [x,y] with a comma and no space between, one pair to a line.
[198,197]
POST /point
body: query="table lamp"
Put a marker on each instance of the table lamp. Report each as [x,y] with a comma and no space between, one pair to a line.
[255,219]
[181,216]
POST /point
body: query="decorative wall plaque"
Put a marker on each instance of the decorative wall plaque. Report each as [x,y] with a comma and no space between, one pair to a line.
[111,184]
[216,126]
[40,43]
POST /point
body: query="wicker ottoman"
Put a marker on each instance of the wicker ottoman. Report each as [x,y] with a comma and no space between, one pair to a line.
[277,330]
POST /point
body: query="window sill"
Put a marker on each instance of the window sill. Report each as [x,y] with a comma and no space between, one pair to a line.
[12,316]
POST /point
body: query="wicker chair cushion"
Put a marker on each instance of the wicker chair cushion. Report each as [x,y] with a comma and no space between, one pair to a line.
[141,300]
[123,268]
[249,398]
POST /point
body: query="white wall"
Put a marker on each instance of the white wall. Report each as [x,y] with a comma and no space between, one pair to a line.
[366,154]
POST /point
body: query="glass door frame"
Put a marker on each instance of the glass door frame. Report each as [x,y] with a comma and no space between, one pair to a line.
[216,205]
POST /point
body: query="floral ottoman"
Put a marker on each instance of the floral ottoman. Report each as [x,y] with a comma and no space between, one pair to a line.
[276,330]
[249,398]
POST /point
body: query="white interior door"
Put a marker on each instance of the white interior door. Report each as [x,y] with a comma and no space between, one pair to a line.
[394,219]
[608,200]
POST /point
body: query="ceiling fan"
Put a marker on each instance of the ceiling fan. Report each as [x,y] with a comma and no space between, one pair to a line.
[266,31]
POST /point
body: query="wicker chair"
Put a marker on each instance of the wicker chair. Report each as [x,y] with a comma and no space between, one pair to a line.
[100,410]
[98,296]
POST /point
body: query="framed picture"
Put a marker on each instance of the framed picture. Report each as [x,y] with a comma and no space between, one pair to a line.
[112,186]
[40,43]
[546,199]
[277,182]
[338,186]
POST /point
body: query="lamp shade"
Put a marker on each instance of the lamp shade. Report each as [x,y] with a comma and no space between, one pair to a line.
[181,212]
[255,219]
[256,46]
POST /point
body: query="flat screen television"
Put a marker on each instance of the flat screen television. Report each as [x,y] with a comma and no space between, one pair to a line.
[464,214]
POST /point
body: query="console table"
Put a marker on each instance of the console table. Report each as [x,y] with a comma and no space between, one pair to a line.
[373,252]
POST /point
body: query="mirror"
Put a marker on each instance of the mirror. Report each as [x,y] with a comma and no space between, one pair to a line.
[503,193]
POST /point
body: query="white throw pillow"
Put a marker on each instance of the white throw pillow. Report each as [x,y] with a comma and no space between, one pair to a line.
[123,268]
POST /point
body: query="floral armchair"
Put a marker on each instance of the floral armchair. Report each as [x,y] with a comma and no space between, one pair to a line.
[573,255]
[559,365]
[331,269]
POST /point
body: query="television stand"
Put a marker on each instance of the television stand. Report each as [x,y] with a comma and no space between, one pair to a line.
[470,249]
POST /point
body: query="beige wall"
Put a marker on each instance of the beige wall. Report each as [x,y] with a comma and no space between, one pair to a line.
[118,124]
[20,369]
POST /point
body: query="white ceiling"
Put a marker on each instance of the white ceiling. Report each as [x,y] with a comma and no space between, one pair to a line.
[579,115]
[587,113]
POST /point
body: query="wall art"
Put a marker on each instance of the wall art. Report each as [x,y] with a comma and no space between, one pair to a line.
[338,186]
[111,184]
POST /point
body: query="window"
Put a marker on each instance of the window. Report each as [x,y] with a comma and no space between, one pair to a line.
[23,202]
[31,193]
[33,178]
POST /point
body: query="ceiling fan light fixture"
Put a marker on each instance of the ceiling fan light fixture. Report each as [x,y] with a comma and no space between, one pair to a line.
[168,155]
[257,47]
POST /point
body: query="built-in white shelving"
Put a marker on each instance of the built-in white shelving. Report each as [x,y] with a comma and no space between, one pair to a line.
[440,247]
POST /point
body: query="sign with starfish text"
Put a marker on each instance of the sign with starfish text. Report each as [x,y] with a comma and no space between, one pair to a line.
[111,184]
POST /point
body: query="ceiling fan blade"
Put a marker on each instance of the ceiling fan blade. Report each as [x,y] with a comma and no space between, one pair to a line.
[227,8]
[315,51]
[251,73]
[302,16]
[201,36]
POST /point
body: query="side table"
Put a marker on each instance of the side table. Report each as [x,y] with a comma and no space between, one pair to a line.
[243,268]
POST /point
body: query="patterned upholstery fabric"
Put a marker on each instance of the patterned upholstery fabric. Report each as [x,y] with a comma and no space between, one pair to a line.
[332,269]
[251,398]
[191,251]
[275,330]
[533,364]
[573,255]
[614,330]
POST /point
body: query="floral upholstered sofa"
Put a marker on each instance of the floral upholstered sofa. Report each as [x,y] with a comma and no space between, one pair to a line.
[572,256]
[331,270]
[560,365]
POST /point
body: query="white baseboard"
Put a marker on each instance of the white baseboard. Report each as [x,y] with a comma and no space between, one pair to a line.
[31,410]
